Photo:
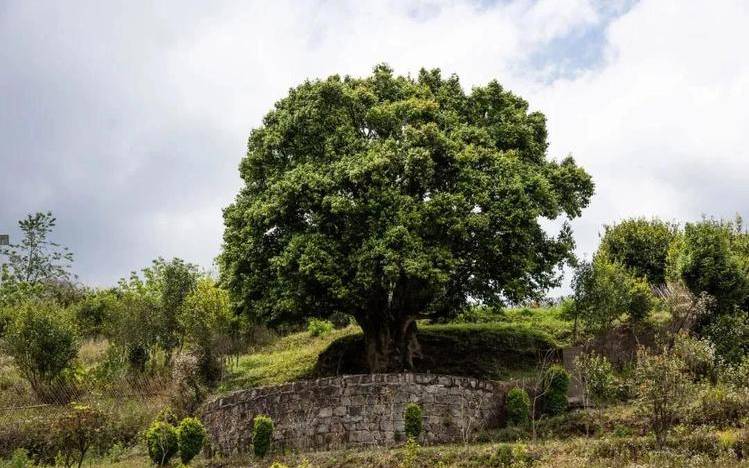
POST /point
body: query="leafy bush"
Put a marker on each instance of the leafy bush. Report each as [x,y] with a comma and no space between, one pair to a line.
[699,356]
[662,390]
[77,431]
[597,377]
[556,384]
[341,320]
[720,405]
[413,421]
[262,435]
[190,438]
[641,245]
[518,406]
[161,441]
[317,327]
[604,291]
[43,343]
[187,391]
[705,257]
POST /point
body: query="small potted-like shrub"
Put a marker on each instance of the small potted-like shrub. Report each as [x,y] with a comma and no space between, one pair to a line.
[262,435]
[413,421]
[190,438]
[518,405]
[556,385]
[161,441]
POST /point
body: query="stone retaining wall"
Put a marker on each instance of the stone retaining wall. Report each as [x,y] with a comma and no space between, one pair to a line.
[355,410]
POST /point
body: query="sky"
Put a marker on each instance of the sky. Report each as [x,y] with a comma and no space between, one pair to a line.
[128,119]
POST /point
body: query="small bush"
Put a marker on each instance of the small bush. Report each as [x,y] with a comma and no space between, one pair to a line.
[188,391]
[190,438]
[43,343]
[262,435]
[556,383]
[413,418]
[518,406]
[161,441]
[720,405]
[77,431]
[317,327]
[340,320]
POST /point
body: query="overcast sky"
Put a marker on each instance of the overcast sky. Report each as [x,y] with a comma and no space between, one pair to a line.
[128,119]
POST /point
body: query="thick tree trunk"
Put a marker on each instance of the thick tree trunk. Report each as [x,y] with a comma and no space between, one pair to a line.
[391,345]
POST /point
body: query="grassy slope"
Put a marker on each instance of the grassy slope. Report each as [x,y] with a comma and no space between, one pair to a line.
[503,349]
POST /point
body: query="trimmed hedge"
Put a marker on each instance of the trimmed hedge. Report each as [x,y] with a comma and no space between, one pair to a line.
[190,438]
[161,440]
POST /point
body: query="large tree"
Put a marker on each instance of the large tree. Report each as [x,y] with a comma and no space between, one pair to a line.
[394,199]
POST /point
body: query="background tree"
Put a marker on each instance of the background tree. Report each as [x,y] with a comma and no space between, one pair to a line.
[37,259]
[641,245]
[393,199]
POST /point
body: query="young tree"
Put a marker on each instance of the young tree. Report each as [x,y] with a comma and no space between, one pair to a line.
[662,390]
[394,199]
[37,259]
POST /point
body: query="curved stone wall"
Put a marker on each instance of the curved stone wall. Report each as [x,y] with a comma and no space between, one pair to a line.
[355,410]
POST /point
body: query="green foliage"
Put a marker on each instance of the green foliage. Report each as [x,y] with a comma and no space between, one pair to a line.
[390,198]
[262,435]
[93,311]
[43,343]
[341,320]
[410,453]
[413,421]
[208,324]
[518,405]
[556,384]
[604,291]
[190,438]
[76,432]
[37,259]
[662,390]
[710,257]
[719,405]
[641,245]
[699,356]
[317,327]
[188,390]
[161,441]
[597,377]
[730,334]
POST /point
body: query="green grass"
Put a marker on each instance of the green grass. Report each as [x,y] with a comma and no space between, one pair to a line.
[289,358]
[487,350]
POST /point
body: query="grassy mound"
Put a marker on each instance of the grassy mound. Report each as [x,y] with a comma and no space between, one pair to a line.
[488,350]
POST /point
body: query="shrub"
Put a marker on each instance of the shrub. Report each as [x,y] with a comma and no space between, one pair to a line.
[317,327]
[190,438]
[597,377]
[720,405]
[340,320]
[187,391]
[518,406]
[641,245]
[698,355]
[43,344]
[262,435]
[161,441]
[662,390]
[76,431]
[413,421]
[556,383]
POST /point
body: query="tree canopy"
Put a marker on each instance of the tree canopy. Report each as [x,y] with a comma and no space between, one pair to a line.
[392,199]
